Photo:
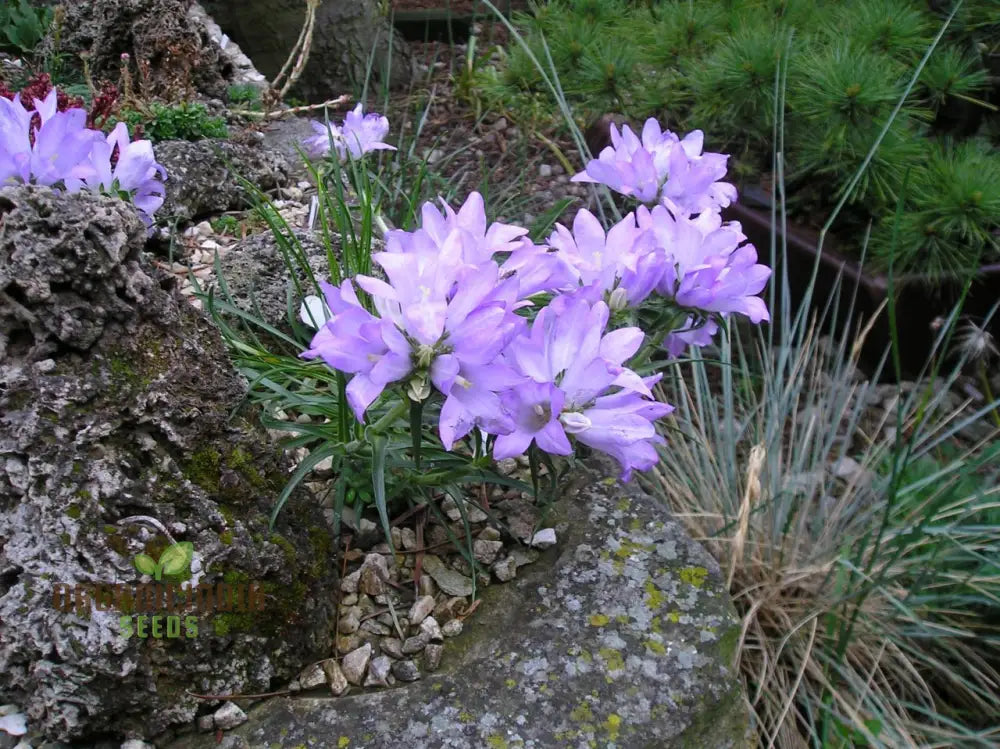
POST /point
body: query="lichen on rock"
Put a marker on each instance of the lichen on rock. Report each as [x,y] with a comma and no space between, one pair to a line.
[117,400]
[623,634]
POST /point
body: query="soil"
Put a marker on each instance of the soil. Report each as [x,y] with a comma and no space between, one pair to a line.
[525,178]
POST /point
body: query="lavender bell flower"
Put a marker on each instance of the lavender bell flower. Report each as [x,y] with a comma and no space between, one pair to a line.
[354,341]
[360,134]
[483,241]
[690,334]
[456,320]
[61,143]
[708,268]
[135,173]
[662,167]
[623,264]
[573,367]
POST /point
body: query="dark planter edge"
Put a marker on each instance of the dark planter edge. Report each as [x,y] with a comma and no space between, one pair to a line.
[920,299]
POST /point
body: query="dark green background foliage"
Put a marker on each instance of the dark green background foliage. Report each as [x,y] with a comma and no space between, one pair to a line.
[22,26]
[715,65]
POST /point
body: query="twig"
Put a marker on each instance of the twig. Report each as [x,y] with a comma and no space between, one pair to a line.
[237,696]
[279,113]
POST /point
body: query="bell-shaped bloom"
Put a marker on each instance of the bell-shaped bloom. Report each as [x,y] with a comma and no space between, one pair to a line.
[577,381]
[15,141]
[440,322]
[358,343]
[708,268]
[538,269]
[482,241]
[621,259]
[46,155]
[621,425]
[360,134]
[690,334]
[535,408]
[135,173]
[660,167]
[47,147]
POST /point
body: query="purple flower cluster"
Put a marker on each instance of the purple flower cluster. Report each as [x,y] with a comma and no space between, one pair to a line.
[359,134]
[448,315]
[662,168]
[446,320]
[46,147]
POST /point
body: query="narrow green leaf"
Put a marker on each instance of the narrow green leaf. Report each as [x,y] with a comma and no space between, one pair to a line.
[379,445]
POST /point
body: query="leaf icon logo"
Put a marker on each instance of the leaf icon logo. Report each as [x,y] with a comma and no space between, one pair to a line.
[174,560]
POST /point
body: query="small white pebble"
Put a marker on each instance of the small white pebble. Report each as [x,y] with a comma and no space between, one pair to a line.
[544,538]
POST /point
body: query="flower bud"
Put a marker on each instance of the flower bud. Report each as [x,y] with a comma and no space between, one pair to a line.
[618,300]
[574,423]
[418,389]
[425,355]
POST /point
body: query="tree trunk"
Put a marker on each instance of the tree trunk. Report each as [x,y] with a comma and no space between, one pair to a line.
[346,32]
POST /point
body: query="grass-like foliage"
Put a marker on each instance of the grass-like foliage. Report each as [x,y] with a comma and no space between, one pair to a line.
[869,602]
[858,530]
[712,65]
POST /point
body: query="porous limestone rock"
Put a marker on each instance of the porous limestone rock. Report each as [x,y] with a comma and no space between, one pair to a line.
[257,278]
[623,634]
[345,34]
[123,429]
[170,53]
[203,177]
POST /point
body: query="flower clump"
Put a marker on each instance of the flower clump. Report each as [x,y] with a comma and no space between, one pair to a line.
[48,143]
[530,343]
[359,134]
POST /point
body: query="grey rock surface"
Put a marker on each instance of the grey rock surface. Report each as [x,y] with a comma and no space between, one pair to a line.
[203,177]
[346,31]
[258,281]
[117,400]
[178,56]
[621,635]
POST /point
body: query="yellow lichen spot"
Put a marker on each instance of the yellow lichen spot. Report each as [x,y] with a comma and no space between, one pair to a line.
[510,683]
[613,659]
[624,504]
[598,620]
[694,576]
[621,619]
[635,524]
[656,647]
[586,657]
[674,616]
[496,741]
[619,566]
[582,713]
[656,625]
[342,742]
[654,596]
[613,726]
[466,717]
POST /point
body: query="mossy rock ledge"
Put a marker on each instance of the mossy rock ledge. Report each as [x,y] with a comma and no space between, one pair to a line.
[117,400]
[621,635]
